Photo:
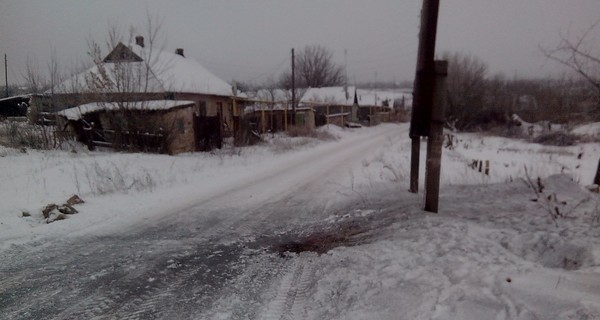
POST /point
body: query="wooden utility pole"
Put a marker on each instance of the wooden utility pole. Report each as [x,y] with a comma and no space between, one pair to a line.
[234,111]
[6,73]
[433,163]
[423,87]
[293,90]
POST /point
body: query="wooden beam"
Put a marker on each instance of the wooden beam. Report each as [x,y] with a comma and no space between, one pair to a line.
[433,162]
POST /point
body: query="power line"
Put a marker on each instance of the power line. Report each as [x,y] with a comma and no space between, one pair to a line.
[273,71]
[231,66]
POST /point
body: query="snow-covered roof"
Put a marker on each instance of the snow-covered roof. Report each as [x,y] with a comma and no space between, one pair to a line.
[334,95]
[21,97]
[76,113]
[168,72]
[376,97]
[338,96]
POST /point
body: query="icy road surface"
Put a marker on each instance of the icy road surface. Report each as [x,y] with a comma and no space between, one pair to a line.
[324,230]
[231,242]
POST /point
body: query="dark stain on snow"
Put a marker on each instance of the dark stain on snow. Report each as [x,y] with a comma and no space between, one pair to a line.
[319,240]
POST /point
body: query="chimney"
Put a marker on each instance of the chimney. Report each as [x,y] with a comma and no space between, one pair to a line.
[179,51]
[139,40]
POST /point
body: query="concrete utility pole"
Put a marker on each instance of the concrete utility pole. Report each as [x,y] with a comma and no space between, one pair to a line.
[293,90]
[424,86]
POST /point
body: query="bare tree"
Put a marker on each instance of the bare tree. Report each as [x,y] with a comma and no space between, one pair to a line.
[126,77]
[466,89]
[54,71]
[315,68]
[582,55]
[34,77]
[39,135]
[126,80]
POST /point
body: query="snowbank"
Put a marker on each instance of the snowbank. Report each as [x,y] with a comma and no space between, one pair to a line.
[590,130]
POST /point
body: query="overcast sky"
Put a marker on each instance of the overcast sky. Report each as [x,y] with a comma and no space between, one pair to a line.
[250,40]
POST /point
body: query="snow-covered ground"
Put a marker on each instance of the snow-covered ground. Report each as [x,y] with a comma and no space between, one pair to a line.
[491,253]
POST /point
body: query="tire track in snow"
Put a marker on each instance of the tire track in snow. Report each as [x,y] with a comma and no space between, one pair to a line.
[154,293]
[290,296]
[120,294]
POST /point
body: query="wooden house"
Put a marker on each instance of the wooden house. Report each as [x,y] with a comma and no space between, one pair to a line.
[151,83]
[162,126]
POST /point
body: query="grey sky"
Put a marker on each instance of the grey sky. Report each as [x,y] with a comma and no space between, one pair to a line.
[251,40]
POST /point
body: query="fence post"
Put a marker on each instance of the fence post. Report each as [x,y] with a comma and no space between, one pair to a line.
[436,139]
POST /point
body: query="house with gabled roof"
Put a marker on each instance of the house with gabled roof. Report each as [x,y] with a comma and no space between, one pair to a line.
[136,80]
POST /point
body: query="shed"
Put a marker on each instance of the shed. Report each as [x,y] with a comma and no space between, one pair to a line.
[165,126]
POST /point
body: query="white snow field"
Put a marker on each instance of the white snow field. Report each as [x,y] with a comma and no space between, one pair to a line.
[501,247]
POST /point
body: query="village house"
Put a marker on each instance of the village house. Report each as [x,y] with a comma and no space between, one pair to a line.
[278,116]
[316,107]
[142,90]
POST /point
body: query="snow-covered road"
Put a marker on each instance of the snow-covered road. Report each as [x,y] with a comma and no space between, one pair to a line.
[180,263]
[323,230]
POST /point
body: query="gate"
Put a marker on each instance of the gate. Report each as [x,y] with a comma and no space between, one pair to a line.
[208,134]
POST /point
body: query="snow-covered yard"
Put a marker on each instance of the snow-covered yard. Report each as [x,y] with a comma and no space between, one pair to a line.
[496,250]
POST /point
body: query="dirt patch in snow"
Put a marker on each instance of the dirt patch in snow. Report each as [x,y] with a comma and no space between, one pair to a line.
[321,241]
[351,229]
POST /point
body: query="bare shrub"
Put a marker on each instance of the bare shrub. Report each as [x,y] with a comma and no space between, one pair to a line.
[283,145]
[109,178]
[508,131]
[589,139]
[308,132]
[25,135]
[557,138]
